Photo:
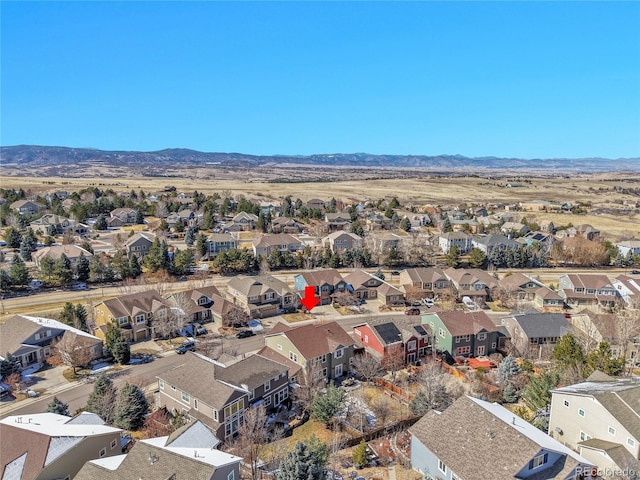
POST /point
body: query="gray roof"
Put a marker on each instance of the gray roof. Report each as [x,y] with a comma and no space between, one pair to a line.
[538,325]
[477,439]
[252,371]
[259,285]
[621,398]
[388,332]
[618,453]
[193,435]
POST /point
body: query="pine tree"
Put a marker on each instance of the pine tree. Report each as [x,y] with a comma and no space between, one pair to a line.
[67,315]
[80,318]
[18,272]
[190,236]
[477,258]
[102,399]
[58,406]
[131,408]
[135,269]
[12,237]
[300,464]
[568,353]
[82,268]
[5,280]
[420,403]
[602,359]
[63,271]
[453,257]
[508,367]
[139,216]
[536,394]
[101,223]
[361,455]
[27,246]
[509,394]
[328,403]
[116,344]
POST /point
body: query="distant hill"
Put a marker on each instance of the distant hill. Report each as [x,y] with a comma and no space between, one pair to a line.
[32,156]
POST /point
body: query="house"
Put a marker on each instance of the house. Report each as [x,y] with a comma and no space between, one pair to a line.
[325,282]
[520,286]
[285,225]
[218,395]
[424,282]
[463,333]
[244,221]
[55,252]
[261,296]
[196,303]
[134,313]
[366,286]
[50,224]
[387,339]
[548,300]
[628,289]
[588,232]
[600,420]
[454,239]
[489,243]
[51,446]
[125,214]
[217,242]
[315,203]
[587,290]
[139,244]
[340,241]
[474,283]
[25,207]
[547,240]
[30,339]
[189,452]
[514,227]
[628,247]
[619,330]
[337,221]
[283,242]
[324,346]
[475,439]
[536,333]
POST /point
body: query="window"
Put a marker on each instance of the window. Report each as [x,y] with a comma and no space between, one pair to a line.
[324,373]
[173,388]
[231,475]
[566,403]
[584,436]
[581,412]
[267,401]
[279,347]
[538,460]
[267,385]
[411,346]
[339,353]
[442,333]
[366,339]
[186,397]
[161,384]
[493,345]
[631,442]
[103,452]
[215,415]
[113,444]
[612,431]
[454,476]
[123,321]
[482,336]
[463,350]
[293,356]
[323,359]
[195,403]
[139,318]
[441,466]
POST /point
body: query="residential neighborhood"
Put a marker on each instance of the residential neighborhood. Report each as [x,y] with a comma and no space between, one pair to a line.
[421,328]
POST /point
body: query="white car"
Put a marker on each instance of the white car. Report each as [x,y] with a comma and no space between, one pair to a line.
[428,302]
[470,304]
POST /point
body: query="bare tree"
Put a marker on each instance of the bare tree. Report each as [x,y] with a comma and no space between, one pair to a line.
[394,360]
[367,366]
[74,350]
[309,381]
[253,437]
[235,315]
[383,408]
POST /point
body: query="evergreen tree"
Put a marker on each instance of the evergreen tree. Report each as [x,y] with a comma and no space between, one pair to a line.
[12,237]
[420,403]
[183,262]
[82,268]
[361,455]
[102,399]
[328,403]
[139,216]
[47,269]
[80,318]
[63,271]
[568,353]
[59,407]
[18,272]
[5,281]
[536,394]
[131,408]
[357,228]
[602,359]
[101,223]
[158,256]
[135,269]
[508,368]
[477,258]
[116,344]
[202,245]
[68,314]
[190,236]
[9,365]
[509,394]
[300,464]
[97,270]
[405,224]
[27,247]
[120,265]
[453,257]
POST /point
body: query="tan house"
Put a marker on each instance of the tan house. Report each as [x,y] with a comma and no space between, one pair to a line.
[189,452]
[134,313]
[125,214]
[50,224]
[284,225]
[26,207]
[587,290]
[217,242]
[366,286]
[283,242]
[424,282]
[327,346]
[55,252]
[474,283]
[49,446]
[218,395]
[261,296]
[204,305]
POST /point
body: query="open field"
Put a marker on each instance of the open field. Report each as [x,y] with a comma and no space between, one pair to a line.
[415,187]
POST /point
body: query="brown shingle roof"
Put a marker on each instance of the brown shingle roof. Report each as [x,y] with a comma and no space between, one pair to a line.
[126,305]
[270,353]
[36,444]
[315,340]
[320,277]
[465,323]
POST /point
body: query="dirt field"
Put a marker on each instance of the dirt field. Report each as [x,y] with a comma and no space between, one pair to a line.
[615,211]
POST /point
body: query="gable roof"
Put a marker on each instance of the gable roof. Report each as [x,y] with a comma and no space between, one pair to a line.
[518,279]
[537,325]
[485,440]
[221,238]
[56,252]
[426,275]
[315,340]
[39,439]
[274,239]
[144,236]
[252,371]
[320,277]
[271,354]
[466,323]
[590,281]
[358,278]
[250,286]
[135,303]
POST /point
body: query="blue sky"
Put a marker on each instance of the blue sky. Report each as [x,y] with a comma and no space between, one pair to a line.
[515,79]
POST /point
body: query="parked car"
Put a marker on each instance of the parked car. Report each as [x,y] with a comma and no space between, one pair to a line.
[186,347]
[412,311]
[245,334]
[395,272]
[428,302]
[635,272]
[79,286]
[35,284]
[193,330]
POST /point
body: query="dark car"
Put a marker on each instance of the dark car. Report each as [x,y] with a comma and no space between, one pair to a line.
[412,311]
[186,347]
[635,272]
[395,272]
[245,334]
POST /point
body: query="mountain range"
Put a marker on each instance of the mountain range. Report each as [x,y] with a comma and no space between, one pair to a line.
[34,155]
